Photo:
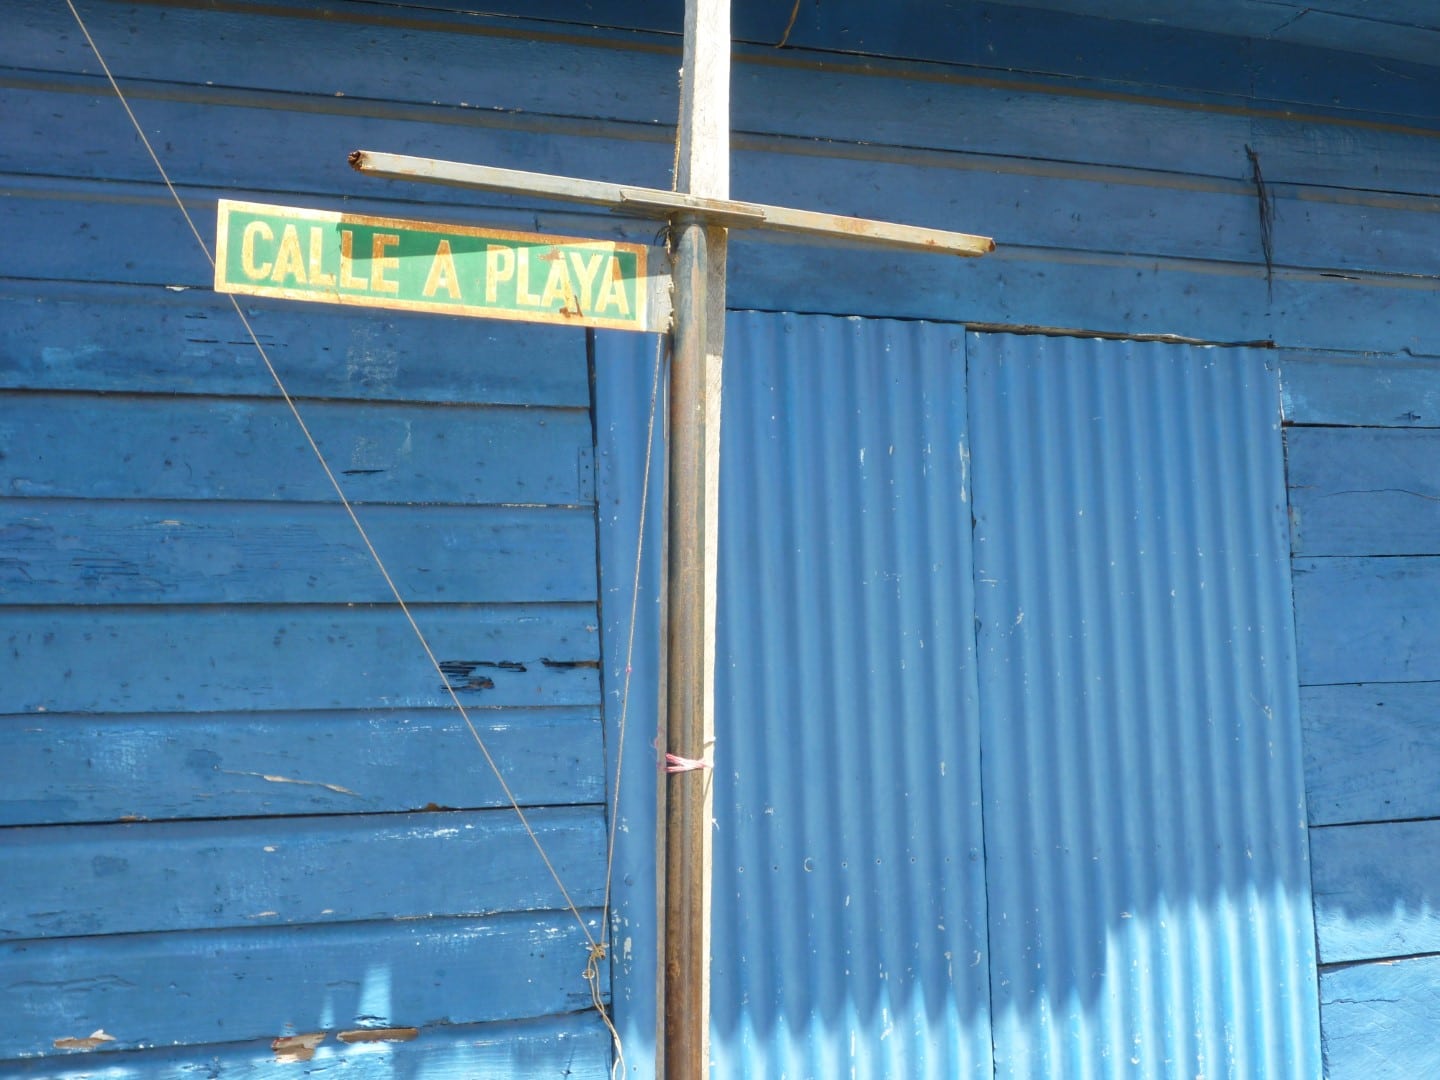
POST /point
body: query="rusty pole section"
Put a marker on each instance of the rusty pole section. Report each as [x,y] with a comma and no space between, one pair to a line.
[686,815]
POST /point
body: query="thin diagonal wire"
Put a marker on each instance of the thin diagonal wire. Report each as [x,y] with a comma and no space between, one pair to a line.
[660,341]
[596,949]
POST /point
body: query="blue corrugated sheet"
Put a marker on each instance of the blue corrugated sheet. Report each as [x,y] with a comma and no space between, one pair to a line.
[849,906]
[1080,848]
[1144,814]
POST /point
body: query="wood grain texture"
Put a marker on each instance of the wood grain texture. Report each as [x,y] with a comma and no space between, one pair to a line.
[283,658]
[1380,1019]
[1358,491]
[59,769]
[160,447]
[70,336]
[88,552]
[626,372]
[533,69]
[1184,56]
[1145,207]
[233,985]
[1372,752]
[1116,211]
[574,1047]
[208,875]
[419,56]
[1367,620]
[1371,391]
[1100,291]
[1377,890]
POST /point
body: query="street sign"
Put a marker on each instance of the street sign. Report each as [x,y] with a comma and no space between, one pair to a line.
[336,258]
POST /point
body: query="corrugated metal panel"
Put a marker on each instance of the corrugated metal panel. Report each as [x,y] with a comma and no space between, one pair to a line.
[1149,892]
[849,933]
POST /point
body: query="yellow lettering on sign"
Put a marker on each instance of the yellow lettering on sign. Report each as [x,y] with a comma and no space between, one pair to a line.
[523,295]
[499,266]
[348,279]
[288,261]
[585,269]
[253,270]
[317,255]
[612,289]
[380,262]
[557,284]
[442,273]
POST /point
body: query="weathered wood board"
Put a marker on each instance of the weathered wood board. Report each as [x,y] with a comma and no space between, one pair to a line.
[96,767]
[232,985]
[1372,751]
[1380,1019]
[82,446]
[1356,619]
[1375,890]
[1364,491]
[576,1047]
[59,552]
[260,657]
[209,875]
[1368,391]
[121,337]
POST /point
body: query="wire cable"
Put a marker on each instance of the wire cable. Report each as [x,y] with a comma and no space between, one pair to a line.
[596,949]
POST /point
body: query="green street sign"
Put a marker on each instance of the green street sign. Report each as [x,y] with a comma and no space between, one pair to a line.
[336,258]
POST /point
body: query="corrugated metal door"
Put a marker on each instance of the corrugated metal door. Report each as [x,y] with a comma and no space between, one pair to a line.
[1090,831]
[849,934]
[1144,805]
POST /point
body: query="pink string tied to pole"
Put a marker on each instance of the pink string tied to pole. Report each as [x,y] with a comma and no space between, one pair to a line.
[674,763]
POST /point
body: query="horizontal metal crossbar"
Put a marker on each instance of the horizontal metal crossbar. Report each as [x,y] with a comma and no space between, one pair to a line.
[655,202]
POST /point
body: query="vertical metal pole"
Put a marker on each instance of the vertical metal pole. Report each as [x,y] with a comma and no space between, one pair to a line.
[687,823]
[703,168]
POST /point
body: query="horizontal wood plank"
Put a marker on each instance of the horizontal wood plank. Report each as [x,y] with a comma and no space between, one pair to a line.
[250,127]
[1374,888]
[1372,752]
[490,63]
[1367,620]
[154,447]
[1145,208]
[232,985]
[575,1046]
[559,75]
[534,69]
[1098,54]
[1380,1020]
[285,658]
[1394,234]
[72,336]
[1358,491]
[205,875]
[1367,391]
[1210,300]
[59,769]
[86,552]
[1036,203]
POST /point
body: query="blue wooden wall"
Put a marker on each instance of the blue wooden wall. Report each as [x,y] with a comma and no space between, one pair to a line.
[243,831]
[1113,163]
[1364,473]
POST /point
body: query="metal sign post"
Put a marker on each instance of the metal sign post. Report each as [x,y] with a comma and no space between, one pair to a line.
[700,214]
